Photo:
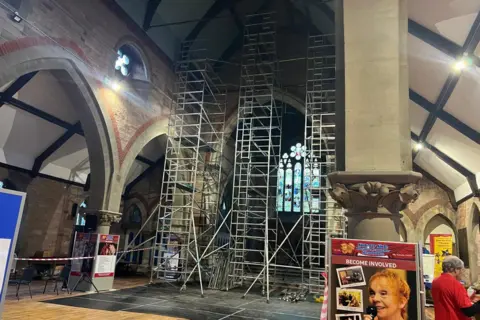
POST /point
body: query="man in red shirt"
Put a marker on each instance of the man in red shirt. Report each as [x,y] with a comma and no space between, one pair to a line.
[450,299]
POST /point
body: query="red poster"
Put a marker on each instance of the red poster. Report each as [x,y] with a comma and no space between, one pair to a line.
[363,272]
[392,255]
[105,261]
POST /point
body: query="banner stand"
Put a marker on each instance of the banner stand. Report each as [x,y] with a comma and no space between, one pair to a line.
[360,271]
[11,210]
[97,271]
[85,277]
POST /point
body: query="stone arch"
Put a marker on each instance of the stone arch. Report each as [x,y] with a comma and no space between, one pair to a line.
[473,236]
[439,212]
[231,125]
[409,228]
[28,55]
[288,98]
[154,131]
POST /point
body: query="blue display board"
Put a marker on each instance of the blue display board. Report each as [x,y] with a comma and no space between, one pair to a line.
[11,209]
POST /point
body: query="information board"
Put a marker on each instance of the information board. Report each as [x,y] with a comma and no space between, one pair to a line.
[106,258]
[11,209]
[362,272]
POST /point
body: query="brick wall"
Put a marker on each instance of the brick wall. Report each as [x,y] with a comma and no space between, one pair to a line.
[94,32]
[47,222]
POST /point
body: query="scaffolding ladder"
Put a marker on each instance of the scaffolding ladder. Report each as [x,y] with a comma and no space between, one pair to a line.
[324,218]
[190,190]
[257,154]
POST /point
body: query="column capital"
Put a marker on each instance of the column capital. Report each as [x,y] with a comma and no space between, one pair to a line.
[105,218]
[374,192]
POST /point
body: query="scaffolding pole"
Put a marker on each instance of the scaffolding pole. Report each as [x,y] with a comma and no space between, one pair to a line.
[324,218]
[253,229]
[191,187]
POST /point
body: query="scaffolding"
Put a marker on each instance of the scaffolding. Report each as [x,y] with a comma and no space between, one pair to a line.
[325,218]
[254,227]
[190,191]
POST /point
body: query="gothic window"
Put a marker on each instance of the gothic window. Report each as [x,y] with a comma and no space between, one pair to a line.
[135,217]
[295,179]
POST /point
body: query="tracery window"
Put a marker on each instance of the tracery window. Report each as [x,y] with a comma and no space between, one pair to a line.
[294,178]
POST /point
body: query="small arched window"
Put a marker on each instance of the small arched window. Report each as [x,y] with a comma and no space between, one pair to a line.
[135,216]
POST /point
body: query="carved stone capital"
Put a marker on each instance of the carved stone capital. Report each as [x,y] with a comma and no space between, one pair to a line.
[375,192]
[106,218]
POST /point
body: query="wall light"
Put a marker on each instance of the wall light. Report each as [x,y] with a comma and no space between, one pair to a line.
[16,17]
[418,146]
[462,63]
[116,86]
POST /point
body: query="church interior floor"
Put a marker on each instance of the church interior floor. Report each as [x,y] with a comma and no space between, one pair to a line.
[35,308]
[133,294]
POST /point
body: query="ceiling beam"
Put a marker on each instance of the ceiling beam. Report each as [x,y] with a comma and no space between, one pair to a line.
[17,85]
[473,37]
[212,12]
[41,114]
[471,42]
[437,41]
[145,160]
[444,187]
[442,100]
[160,162]
[446,117]
[469,175]
[51,149]
[41,175]
[152,7]
[452,163]
[236,18]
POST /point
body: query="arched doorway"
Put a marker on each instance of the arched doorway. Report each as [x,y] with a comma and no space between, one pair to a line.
[439,224]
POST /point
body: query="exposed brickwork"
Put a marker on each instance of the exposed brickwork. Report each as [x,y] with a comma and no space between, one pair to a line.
[91,31]
[431,195]
[47,222]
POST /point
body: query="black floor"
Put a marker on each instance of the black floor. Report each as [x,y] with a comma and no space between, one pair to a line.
[168,301]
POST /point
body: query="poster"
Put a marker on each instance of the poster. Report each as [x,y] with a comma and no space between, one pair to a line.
[106,258]
[84,246]
[378,278]
[428,267]
[11,209]
[172,258]
[441,245]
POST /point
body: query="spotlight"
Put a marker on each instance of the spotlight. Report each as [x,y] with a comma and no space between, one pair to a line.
[116,85]
[418,146]
[462,63]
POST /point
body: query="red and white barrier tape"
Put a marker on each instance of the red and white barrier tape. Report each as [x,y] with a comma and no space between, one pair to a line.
[52,259]
[76,258]
[127,251]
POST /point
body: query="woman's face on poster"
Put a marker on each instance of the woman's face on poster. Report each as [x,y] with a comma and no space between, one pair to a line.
[384,296]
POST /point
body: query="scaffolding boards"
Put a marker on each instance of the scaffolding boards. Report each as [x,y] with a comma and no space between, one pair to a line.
[253,229]
[190,190]
[325,218]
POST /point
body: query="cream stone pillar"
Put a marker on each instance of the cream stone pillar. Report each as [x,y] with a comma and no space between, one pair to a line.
[105,220]
[377,182]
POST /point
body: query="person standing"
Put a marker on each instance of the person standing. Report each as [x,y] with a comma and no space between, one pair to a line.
[450,298]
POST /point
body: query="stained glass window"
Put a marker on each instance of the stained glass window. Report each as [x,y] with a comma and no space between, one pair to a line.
[280,187]
[288,187]
[294,179]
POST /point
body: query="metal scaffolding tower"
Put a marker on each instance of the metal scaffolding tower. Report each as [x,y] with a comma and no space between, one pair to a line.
[190,191]
[253,229]
[325,218]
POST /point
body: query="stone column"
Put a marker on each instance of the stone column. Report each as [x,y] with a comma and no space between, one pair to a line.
[105,220]
[377,182]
